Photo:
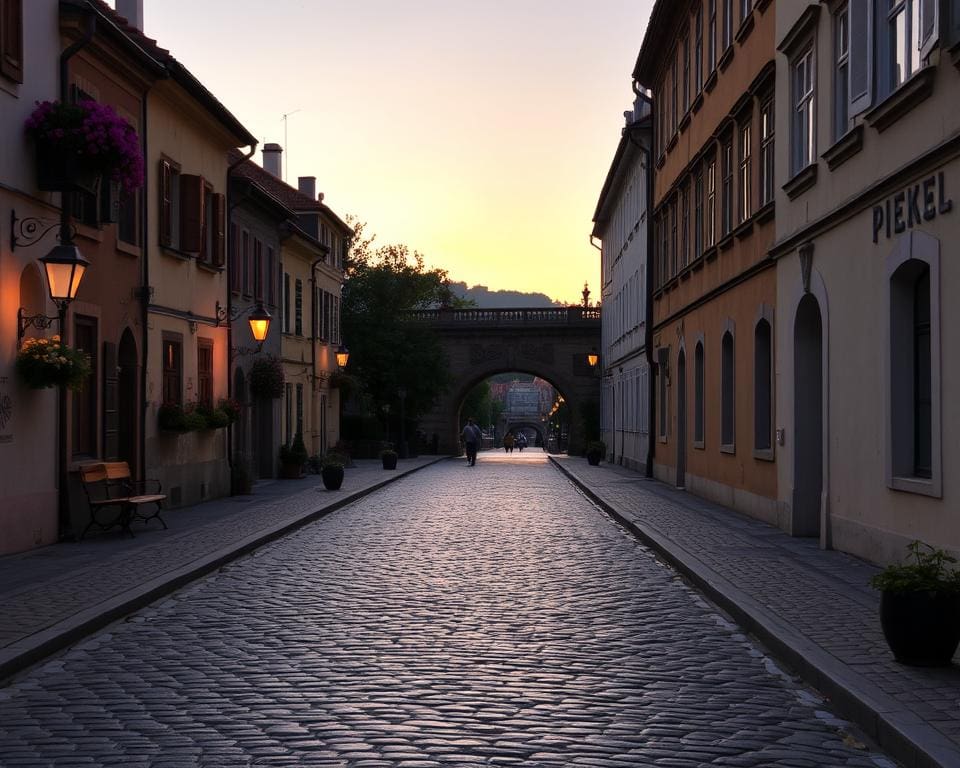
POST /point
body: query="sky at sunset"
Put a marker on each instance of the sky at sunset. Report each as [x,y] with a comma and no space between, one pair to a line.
[476,133]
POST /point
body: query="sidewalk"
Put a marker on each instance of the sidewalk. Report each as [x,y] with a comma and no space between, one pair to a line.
[53,596]
[813,609]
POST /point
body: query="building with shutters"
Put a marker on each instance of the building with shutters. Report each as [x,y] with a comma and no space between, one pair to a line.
[868,169]
[191,134]
[710,65]
[620,223]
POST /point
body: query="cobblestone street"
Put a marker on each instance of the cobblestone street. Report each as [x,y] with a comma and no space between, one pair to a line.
[461,616]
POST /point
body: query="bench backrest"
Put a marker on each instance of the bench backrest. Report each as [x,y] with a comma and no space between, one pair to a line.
[108,475]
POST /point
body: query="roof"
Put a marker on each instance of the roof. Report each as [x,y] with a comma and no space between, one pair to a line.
[289,196]
[662,18]
[175,69]
[625,151]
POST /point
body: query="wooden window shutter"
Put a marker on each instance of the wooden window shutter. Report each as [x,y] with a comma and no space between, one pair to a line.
[11,39]
[165,211]
[191,213]
[860,68]
[219,229]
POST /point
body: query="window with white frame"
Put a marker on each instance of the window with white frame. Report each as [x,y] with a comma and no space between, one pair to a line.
[712,36]
[726,190]
[727,23]
[684,225]
[766,151]
[698,50]
[674,95]
[745,7]
[711,212]
[841,72]
[685,47]
[745,209]
[803,137]
[698,214]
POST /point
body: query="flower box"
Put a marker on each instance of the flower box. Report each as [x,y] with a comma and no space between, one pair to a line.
[43,363]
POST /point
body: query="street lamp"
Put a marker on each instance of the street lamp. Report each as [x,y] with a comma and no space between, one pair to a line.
[259,321]
[343,356]
[593,358]
[65,267]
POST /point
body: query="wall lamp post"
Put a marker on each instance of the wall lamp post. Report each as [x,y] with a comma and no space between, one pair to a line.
[343,356]
[259,321]
[593,358]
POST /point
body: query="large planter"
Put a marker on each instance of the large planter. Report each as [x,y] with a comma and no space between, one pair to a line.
[389,460]
[593,459]
[63,170]
[332,478]
[921,628]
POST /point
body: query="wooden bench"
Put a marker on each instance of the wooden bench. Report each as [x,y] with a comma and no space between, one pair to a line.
[116,499]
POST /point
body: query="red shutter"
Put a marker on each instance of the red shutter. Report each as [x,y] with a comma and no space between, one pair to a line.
[219,229]
[11,39]
[191,213]
[165,238]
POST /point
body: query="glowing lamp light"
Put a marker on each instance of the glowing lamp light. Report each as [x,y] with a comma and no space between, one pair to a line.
[592,359]
[65,266]
[259,323]
[343,356]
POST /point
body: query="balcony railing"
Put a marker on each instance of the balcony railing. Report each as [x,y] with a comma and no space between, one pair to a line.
[494,317]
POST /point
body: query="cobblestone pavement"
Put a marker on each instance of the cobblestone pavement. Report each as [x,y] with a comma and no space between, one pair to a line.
[484,615]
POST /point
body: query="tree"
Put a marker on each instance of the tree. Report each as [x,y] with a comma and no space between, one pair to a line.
[388,352]
[481,404]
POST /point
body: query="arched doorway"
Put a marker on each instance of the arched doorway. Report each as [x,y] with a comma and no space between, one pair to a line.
[682,419]
[807,418]
[127,401]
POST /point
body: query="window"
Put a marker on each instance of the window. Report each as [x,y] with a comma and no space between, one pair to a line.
[245,261]
[663,363]
[766,152]
[859,55]
[711,202]
[712,36]
[234,266]
[902,41]
[922,399]
[727,428]
[288,413]
[172,346]
[84,409]
[803,138]
[686,72]
[257,269]
[298,308]
[192,217]
[726,191]
[286,302]
[208,228]
[745,7]
[698,50]
[299,409]
[698,396]
[762,386]
[727,23]
[660,108]
[11,40]
[674,86]
[684,225]
[205,372]
[271,277]
[673,237]
[841,72]
[698,215]
[745,172]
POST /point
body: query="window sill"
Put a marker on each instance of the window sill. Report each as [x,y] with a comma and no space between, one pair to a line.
[699,445]
[801,182]
[686,272]
[209,267]
[920,485]
[660,160]
[711,81]
[697,264]
[726,58]
[697,103]
[176,254]
[87,232]
[765,213]
[662,439]
[129,248]
[844,148]
[761,5]
[746,27]
[745,229]
[763,454]
[902,101]
[726,241]
[684,121]
[673,141]
[711,253]
[731,449]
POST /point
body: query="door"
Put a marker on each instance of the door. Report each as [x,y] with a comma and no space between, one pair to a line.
[807,418]
[127,402]
[682,419]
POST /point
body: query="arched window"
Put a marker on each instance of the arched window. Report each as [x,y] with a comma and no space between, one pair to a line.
[762,387]
[727,426]
[698,393]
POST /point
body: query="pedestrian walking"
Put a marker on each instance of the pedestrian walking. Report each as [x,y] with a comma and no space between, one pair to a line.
[508,443]
[471,441]
[521,441]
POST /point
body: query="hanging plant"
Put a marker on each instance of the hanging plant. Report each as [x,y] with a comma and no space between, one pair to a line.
[43,363]
[86,138]
[266,377]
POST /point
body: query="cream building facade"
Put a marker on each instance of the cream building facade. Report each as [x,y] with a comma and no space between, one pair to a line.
[867,232]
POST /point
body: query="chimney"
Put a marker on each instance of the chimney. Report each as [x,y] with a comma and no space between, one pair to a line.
[271,159]
[132,11]
[308,185]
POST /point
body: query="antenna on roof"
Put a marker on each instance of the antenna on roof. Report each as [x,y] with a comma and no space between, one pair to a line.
[286,146]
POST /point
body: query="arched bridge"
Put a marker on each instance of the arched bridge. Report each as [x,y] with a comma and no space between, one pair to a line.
[551,343]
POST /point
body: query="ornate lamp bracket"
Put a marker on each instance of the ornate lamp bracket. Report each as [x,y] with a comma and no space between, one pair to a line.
[32,229]
[24,321]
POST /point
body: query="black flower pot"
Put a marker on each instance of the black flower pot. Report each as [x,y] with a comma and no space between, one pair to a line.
[921,628]
[389,461]
[593,459]
[332,478]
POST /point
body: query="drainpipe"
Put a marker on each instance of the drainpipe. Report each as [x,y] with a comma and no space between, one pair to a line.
[228,245]
[648,320]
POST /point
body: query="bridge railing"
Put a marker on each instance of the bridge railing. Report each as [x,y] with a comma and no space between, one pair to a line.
[493,317]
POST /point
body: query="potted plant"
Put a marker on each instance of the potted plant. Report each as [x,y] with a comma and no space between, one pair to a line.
[292,458]
[266,377]
[596,450]
[920,606]
[231,407]
[388,456]
[43,363]
[78,144]
[331,470]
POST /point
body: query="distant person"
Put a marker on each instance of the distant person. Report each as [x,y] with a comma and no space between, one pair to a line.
[471,441]
[521,441]
[508,443]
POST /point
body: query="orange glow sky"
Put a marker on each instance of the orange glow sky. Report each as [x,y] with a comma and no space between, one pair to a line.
[478,133]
